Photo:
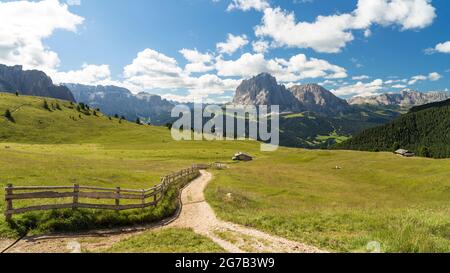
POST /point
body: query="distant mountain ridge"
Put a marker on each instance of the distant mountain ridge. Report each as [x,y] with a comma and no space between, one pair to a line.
[265,90]
[114,100]
[32,83]
[406,98]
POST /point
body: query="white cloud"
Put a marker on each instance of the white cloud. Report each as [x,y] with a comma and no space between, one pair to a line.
[246,5]
[359,78]
[296,68]
[88,74]
[232,44]
[360,89]
[326,34]
[198,62]
[152,70]
[260,46]
[23,27]
[408,14]
[434,76]
[416,79]
[399,86]
[330,34]
[439,48]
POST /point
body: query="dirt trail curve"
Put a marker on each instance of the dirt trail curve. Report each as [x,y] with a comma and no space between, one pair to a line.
[196,214]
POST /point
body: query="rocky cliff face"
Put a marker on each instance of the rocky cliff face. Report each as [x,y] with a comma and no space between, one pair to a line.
[317,99]
[264,90]
[406,98]
[116,100]
[32,83]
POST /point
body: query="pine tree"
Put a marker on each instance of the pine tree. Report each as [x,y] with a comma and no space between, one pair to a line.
[395,147]
[46,106]
[9,116]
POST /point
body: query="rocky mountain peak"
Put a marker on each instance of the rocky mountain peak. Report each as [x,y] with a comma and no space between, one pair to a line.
[265,90]
[31,82]
[317,99]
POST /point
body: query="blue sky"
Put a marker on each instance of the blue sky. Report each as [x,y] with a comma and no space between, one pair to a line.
[353,49]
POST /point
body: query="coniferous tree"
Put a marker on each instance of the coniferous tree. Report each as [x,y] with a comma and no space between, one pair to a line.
[9,116]
[46,106]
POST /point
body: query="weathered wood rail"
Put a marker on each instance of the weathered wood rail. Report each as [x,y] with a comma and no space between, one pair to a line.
[143,198]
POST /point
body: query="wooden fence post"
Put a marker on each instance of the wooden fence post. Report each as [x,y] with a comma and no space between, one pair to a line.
[155,198]
[76,191]
[117,198]
[143,199]
[9,202]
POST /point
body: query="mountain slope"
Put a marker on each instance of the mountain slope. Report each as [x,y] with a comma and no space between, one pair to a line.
[33,83]
[312,117]
[116,100]
[317,99]
[425,132]
[264,90]
[406,98]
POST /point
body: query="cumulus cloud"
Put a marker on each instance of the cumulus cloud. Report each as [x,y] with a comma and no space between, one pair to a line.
[434,76]
[232,44]
[88,74]
[260,46]
[152,70]
[246,5]
[296,68]
[24,26]
[330,34]
[439,48]
[443,47]
[327,34]
[198,62]
[360,89]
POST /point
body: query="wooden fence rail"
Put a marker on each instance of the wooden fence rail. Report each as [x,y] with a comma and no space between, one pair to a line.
[146,197]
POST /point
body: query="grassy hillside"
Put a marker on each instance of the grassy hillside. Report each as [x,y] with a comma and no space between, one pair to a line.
[424,130]
[402,203]
[58,147]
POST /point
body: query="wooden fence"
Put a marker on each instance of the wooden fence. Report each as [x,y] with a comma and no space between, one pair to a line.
[143,198]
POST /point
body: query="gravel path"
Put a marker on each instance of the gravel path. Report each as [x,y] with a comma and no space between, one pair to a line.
[196,214]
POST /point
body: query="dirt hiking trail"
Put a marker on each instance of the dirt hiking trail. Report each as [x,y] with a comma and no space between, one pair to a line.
[196,214]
